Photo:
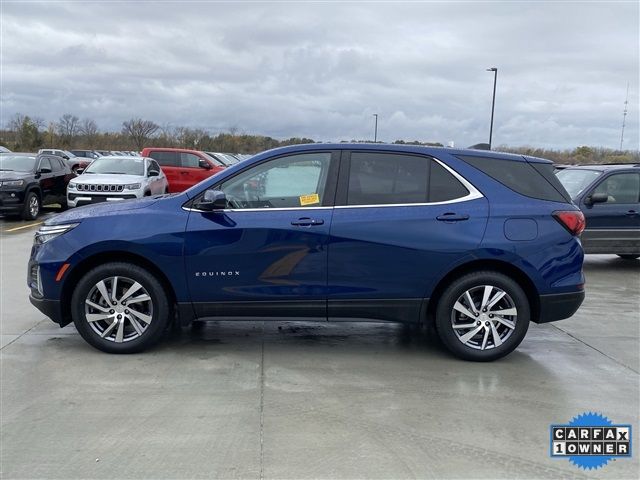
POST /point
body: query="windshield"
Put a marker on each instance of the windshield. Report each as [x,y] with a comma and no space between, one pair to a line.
[17,163]
[122,166]
[576,180]
[214,160]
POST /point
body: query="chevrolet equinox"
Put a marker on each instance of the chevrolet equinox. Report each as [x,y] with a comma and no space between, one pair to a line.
[479,243]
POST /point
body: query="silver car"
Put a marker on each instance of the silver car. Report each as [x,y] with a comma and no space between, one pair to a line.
[111,179]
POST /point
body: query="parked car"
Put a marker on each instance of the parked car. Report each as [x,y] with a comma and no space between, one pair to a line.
[90,154]
[112,179]
[223,158]
[480,243]
[75,163]
[183,167]
[4,149]
[609,197]
[29,180]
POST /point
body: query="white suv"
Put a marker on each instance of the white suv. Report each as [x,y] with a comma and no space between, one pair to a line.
[111,179]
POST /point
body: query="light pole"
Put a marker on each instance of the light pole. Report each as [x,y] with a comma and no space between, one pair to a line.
[493,102]
[375,132]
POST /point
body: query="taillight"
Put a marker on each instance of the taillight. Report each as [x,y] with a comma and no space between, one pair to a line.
[572,220]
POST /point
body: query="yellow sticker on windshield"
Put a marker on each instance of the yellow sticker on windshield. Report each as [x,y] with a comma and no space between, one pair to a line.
[309,199]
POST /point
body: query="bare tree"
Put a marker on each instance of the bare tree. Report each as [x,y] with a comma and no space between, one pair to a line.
[139,130]
[68,127]
[15,122]
[89,129]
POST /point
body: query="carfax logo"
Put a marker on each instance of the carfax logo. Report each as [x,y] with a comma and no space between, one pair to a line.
[590,441]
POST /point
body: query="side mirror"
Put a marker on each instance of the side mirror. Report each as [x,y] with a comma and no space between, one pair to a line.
[204,164]
[154,173]
[66,157]
[596,198]
[79,171]
[44,170]
[212,200]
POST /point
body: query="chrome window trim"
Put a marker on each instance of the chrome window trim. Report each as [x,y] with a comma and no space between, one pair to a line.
[473,194]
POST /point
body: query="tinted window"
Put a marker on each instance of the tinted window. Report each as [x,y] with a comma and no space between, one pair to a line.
[45,163]
[385,179]
[190,160]
[520,177]
[443,186]
[153,166]
[169,159]
[621,188]
[56,165]
[287,182]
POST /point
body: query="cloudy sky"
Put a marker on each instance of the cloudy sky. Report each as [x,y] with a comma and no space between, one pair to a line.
[321,69]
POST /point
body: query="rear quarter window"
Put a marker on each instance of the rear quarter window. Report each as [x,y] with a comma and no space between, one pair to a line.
[526,178]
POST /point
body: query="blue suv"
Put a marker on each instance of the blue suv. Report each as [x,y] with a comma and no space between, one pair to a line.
[478,243]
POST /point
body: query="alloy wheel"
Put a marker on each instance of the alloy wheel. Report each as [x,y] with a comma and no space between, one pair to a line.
[484,317]
[118,309]
[34,206]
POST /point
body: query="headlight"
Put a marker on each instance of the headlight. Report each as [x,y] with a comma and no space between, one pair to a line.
[133,186]
[71,186]
[49,232]
[12,183]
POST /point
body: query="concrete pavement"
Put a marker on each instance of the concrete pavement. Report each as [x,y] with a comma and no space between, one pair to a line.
[289,400]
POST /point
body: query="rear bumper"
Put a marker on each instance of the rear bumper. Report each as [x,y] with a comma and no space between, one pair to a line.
[51,308]
[559,306]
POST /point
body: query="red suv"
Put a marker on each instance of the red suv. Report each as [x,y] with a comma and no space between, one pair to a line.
[183,167]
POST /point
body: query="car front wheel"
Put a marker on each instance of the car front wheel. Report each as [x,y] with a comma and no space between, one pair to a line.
[482,316]
[31,207]
[120,308]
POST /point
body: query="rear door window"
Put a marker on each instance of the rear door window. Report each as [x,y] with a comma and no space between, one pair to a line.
[395,179]
[166,159]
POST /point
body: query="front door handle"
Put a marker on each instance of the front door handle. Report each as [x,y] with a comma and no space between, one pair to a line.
[631,213]
[307,222]
[452,217]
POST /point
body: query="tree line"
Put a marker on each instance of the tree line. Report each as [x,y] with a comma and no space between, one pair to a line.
[26,133]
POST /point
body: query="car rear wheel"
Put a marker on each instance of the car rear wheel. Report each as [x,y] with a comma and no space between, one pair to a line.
[628,256]
[482,316]
[31,207]
[120,308]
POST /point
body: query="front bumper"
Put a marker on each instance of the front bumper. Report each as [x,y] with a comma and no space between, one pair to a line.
[559,306]
[87,198]
[51,308]
[11,202]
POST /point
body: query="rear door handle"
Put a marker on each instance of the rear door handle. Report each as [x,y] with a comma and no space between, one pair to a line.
[452,217]
[307,222]
[184,173]
[631,213]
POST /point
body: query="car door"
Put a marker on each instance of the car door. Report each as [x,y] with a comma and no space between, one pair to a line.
[47,180]
[60,178]
[170,163]
[613,226]
[266,254]
[400,221]
[156,182]
[193,169]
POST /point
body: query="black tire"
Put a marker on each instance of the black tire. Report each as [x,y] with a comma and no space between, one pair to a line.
[64,205]
[160,313]
[32,206]
[445,308]
[628,256]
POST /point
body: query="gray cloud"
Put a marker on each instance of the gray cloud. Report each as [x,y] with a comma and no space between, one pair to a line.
[322,69]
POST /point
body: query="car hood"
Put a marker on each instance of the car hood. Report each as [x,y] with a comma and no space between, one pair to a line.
[12,175]
[100,210]
[110,179]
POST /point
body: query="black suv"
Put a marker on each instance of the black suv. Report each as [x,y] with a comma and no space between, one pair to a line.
[609,197]
[29,180]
